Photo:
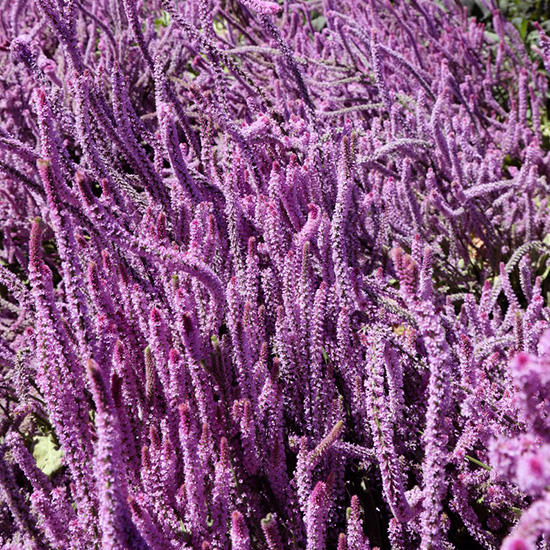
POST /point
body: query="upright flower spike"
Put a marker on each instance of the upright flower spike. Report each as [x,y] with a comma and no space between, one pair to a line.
[221,494]
[271,410]
[316,517]
[168,128]
[382,432]
[154,536]
[130,10]
[84,128]
[271,533]
[244,415]
[240,538]
[127,129]
[435,434]
[161,345]
[61,387]
[407,270]
[338,227]
[303,475]
[355,537]
[118,532]
[124,366]
[194,476]
[65,239]
[51,519]
[102,300]
[151,383]
[199,378]
[51,149]
[129,441]
[178,384]
[426,274]
[317,398]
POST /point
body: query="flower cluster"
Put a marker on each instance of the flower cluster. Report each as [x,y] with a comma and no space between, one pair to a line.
[525,459]
[272,275]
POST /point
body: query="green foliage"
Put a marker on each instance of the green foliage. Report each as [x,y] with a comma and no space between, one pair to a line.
[163,21]
[318,21]
[48,455]
[521,13]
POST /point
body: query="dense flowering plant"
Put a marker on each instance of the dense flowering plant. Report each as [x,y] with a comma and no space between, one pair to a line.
[272,276]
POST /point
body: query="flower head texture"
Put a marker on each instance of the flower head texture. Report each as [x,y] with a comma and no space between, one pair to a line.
[274,275]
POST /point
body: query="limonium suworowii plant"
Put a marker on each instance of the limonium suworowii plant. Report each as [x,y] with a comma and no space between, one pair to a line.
[272,276]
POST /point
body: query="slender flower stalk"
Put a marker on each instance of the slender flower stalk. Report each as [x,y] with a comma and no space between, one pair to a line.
[273,275]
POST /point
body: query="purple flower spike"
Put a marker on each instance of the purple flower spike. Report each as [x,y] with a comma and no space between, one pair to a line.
[240,539]
[316,517]
[263,260]
[118,530]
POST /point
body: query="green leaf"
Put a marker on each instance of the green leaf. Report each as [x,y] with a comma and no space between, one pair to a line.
[163,20]
[492,36]
[319,23]
[544,276]
[219,27]
[48,455]
[523,28]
